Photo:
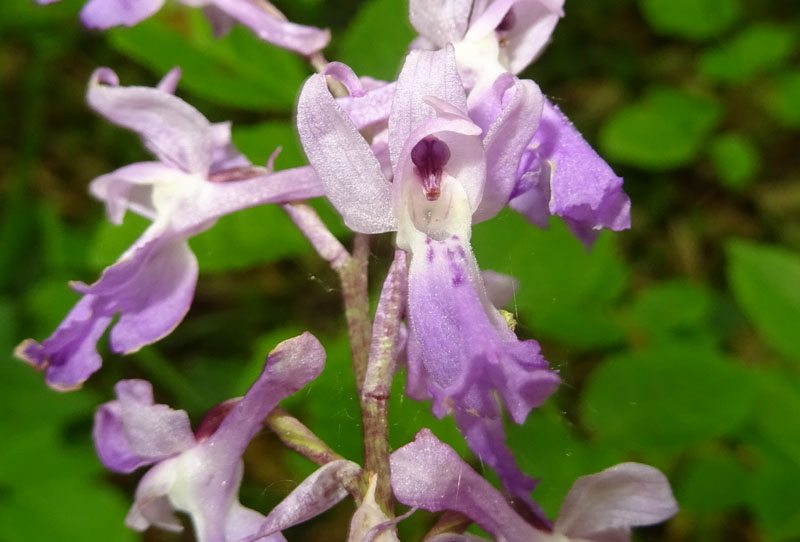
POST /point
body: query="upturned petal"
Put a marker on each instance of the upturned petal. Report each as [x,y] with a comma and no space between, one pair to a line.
[429,474]
[614,500]
[348,170]
[104,14]
[131,431]
[270,25]
[373,107]
[424,74]
[440,22]
[583,189]
[518,105]
[174,131]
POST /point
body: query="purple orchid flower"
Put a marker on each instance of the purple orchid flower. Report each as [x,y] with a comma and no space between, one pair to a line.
[460,349]
[559,174]
[264,19]
[199,178]
[600,507]
[200,473]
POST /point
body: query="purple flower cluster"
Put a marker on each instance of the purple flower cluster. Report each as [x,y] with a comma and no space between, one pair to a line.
[454,140]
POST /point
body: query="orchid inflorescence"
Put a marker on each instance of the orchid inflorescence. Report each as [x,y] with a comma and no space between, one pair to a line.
[454,140]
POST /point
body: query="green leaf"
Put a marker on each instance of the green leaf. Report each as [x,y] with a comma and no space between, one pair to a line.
[376,41]
[691,19]
[713,483]
[666,398]
[672,309]
[778,396]
[259,141]
[45,474]
[776,492]
[764,281]
[110,240]
[239,70]
[667,129]
[546,447]
[783,102]
[565,292]
[758,48]
[736,159]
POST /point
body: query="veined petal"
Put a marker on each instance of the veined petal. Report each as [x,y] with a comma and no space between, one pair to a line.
[440,22]
[104,14]
[373,107]
[583,188]
[424,73]
[429,474]
[131,431]
[174,131]
[350,174]
[270,25]
[316,494]
[505,140]
[614,500]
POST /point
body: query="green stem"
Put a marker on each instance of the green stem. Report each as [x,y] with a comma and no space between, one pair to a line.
[353,275]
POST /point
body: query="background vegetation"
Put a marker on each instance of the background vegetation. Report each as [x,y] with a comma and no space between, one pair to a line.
[678,341]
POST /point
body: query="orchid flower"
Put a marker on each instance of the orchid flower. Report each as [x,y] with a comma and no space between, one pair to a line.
[460,349]
[264,19]
[560,174]
[600,507]
[199,177]
[200,473]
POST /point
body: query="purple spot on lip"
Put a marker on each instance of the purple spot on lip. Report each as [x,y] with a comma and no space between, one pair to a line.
[508,21]
[430,253]
[429,156]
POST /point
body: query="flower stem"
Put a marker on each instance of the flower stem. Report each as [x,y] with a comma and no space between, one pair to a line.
[353,275]
[378,379]
[302,440]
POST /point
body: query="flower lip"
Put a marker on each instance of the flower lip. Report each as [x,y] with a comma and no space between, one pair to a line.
[429,156]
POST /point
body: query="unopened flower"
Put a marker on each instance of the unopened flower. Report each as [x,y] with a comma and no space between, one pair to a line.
[199,177]
[600,507]
[200,474]
[460,349]
[264,19]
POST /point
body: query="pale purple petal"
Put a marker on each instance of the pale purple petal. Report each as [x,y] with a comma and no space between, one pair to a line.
[453,537]
[583,188]
[614,500]
[153,290]
[241,522]
[500,288]
[69,356]
[224,154]
[289,367]
[429,474]
[151,505]
[173,130]
[131,431]
[505,139]
[269,24]
[221,23]
[45,2]
[348,171]
[424,73]
[104,14]
[373,107]
[522,26]
[131,187]
[320,491]
[170,81]
[465,344]
[531,195]
[440,22]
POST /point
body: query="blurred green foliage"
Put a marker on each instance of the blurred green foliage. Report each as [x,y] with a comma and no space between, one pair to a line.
[678,341]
